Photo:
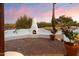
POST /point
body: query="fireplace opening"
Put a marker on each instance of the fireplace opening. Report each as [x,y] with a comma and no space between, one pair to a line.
[34,31]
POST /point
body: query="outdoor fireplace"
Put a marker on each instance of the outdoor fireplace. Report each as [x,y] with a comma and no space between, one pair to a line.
[34,27]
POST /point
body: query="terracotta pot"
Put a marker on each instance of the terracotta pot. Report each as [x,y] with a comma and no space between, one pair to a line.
[71,49]
[69,43]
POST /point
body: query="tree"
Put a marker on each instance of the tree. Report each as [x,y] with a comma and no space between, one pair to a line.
[6,26]
[67,21]
[9,26]
[44,24]
[23,22]
[78,24]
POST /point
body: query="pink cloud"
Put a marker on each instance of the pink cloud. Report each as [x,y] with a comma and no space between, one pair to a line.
[47,14]
[60,12]
[9,13]
[44,16]
[23,11]
[14,14]
[74,11]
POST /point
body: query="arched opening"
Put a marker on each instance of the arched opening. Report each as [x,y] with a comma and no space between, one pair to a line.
[34,32]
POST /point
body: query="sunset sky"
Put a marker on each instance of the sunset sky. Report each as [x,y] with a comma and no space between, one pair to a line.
[40,11]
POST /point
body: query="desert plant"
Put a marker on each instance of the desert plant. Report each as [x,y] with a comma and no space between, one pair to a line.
[23,22]
[70,34]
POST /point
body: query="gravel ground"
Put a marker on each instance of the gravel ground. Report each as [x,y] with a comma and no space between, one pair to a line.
[31,46]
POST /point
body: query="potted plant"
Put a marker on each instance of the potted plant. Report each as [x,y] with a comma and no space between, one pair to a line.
[71,47]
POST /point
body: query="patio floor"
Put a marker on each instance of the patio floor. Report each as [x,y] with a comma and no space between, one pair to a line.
[35,46]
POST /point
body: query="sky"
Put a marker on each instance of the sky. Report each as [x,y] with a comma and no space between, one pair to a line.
[41,11]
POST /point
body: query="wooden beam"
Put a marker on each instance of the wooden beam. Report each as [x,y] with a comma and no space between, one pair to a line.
[1,29]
